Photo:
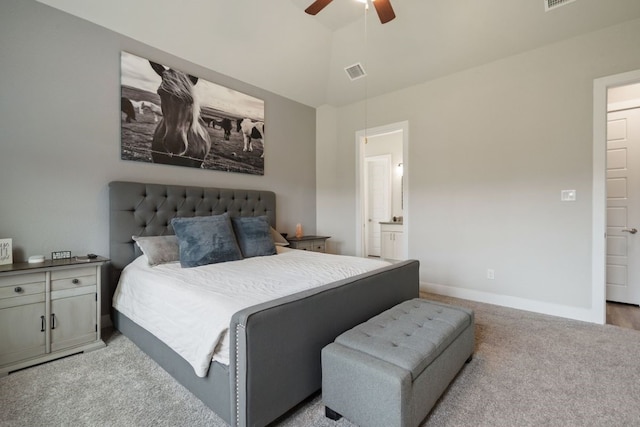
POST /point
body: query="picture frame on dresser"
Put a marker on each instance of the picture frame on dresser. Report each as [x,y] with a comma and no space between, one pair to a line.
[6,251]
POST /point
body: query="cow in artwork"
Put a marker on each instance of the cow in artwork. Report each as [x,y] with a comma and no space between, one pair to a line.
[127,108]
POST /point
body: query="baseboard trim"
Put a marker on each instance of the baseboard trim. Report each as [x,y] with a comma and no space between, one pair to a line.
[575,313]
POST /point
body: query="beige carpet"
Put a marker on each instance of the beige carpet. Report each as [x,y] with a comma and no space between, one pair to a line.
[528,370]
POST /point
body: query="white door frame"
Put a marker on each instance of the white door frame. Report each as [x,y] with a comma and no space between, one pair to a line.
[599,195]
[360,219]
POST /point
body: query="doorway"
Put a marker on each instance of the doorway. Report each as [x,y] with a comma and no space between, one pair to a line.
[601,87]
[623,195]
[371,145]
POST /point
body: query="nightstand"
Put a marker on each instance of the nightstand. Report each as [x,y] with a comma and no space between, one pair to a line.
[309,243]
[48,310]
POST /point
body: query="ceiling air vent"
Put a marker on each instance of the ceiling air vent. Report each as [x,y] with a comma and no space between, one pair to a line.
[553,4]
[355,71]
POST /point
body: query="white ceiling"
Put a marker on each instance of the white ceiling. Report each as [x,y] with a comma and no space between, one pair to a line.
[274,45]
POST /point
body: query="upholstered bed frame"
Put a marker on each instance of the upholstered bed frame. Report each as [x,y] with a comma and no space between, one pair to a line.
[275,346]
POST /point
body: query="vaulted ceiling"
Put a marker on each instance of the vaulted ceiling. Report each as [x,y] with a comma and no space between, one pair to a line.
[274,45]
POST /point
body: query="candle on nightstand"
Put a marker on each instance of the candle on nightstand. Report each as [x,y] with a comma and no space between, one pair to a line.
[299,231]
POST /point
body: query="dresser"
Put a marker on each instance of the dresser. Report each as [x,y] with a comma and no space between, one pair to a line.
[309,243]
[48,310]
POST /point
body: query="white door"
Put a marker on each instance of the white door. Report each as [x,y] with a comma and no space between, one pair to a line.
[623,206]
[378,203]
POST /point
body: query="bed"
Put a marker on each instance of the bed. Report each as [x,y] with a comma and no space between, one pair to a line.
[274,346]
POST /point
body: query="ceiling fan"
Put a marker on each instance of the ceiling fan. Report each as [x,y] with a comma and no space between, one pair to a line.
[383,7]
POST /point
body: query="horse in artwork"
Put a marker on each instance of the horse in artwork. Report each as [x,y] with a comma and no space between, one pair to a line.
[153,109]
[224,124]
[180,137]
[127,108]
[138,105]
[251,130]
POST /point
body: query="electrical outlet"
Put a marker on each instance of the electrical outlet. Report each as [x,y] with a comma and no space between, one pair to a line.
[491,274]
[61,255]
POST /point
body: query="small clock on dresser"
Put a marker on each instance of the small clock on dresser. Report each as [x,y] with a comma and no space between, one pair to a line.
[48,310]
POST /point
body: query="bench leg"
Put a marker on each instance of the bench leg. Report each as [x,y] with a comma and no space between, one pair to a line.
[331,414]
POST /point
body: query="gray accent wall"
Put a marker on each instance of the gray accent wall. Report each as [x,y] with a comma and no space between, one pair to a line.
[60,135]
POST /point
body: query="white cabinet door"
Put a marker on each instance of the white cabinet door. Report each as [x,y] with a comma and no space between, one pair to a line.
[22,332]
[391,244]
[73,321]
[398,245]
[386,245]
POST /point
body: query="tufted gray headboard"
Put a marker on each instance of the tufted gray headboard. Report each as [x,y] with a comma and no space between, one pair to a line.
[139,209]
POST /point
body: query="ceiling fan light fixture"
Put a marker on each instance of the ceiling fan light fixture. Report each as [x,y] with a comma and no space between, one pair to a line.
[383,8]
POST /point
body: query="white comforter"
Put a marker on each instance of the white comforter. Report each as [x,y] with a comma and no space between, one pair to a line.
[190,309]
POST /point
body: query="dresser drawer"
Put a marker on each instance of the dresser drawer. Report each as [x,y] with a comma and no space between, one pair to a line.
[309,243]
[73,278]
[21,285]
[305,245]
[21,290]
[318,246]
[21,279]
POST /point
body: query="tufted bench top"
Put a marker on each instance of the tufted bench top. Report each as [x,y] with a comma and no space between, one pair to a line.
[410,335]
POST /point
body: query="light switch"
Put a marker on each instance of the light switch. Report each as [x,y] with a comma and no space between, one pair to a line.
[568,195]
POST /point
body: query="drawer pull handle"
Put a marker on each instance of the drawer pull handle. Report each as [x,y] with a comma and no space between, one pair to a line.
[53,321]
[41,323]
[75,281]
[17,289]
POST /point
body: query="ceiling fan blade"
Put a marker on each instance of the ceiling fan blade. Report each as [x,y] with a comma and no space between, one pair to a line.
[317,6]
[384,9]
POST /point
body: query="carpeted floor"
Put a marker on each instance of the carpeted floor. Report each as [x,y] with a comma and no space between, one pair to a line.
[528,370]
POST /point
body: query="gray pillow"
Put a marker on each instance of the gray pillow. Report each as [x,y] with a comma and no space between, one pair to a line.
[158,249]
[254,236]
[278,240]
[206,240]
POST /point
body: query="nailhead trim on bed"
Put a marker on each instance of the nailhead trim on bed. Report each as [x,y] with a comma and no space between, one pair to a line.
[236,370]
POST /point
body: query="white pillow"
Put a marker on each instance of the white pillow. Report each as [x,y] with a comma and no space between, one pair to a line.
[159,249]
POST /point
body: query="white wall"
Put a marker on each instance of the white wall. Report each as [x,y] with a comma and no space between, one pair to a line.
[60,135]
[490,150]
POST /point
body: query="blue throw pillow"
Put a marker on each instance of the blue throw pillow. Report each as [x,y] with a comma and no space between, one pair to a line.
[254,236]
[206,240]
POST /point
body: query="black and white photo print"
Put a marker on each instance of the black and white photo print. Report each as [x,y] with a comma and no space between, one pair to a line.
[172,117]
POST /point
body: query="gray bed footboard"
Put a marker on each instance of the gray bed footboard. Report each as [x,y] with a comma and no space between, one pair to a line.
[275,346]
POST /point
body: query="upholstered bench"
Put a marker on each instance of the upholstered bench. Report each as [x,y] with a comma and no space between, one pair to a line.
[391,370]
